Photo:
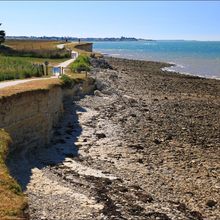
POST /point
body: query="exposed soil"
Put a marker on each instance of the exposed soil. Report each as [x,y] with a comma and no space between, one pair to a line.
[145,146]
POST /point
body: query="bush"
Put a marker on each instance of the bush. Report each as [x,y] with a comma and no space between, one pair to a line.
[79,67]
[83,59]
[67,82]
[82,63]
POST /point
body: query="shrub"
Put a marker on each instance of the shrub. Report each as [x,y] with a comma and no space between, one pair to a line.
[82,63]
[83,59]
[67,81]
[79,67]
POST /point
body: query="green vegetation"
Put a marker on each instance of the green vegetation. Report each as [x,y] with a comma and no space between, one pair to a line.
[38,53]
[12,200]
[34,48]
[69,81]
[82,63]
[18,68]
[21,59]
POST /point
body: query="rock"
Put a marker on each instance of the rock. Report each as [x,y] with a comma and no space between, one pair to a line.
[157,141]
[98,93]
[113,77]
[211,203]
[196,215]
[100,135]
[169,137]
[100,63]
[136,146]
[140,161]
[130,99]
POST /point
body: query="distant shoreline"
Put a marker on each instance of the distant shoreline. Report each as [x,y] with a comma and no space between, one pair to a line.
[91,39]
[168,68]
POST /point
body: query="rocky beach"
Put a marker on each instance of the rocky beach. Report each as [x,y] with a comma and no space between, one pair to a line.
[145,145]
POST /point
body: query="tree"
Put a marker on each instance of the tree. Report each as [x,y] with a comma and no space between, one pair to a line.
[2,35]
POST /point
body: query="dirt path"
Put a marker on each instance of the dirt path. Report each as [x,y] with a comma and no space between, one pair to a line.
[66,63]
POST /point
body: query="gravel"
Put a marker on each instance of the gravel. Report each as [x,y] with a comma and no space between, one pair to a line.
[145,146]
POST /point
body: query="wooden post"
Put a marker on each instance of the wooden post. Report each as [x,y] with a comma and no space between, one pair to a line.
[46,67]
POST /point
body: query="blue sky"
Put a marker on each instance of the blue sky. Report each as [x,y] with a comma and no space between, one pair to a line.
[156,20]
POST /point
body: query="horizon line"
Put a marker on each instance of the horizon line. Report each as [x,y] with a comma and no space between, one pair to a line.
[139,38]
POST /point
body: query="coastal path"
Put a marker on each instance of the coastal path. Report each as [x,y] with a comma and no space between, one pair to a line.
[19,81]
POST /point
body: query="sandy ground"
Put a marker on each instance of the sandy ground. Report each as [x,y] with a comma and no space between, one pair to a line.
[144,146]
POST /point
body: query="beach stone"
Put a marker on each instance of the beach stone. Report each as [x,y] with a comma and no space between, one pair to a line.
[98,93]
[157,141]
[100,135]
[211,203]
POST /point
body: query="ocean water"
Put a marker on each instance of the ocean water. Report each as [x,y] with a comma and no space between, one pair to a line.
[200,58]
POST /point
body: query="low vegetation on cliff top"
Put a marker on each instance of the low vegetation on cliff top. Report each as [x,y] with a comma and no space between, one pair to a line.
[34,48]
[43,84]
[13,201]
[82,63]
[21,59]
[18,68]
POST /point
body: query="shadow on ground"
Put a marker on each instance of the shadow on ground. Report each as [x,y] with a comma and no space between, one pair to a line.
[66,133]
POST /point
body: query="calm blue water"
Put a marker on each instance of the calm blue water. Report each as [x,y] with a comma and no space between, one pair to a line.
[192,57]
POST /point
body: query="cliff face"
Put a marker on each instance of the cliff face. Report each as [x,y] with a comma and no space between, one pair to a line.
[85,47]
[29,117]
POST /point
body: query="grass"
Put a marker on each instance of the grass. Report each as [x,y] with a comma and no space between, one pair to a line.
[24,67]
[18,68]
[44,84]
[32,44]
[69,81]
[12,201]
[82,63]
[34,48]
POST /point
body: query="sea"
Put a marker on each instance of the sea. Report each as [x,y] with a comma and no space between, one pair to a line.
[199,58]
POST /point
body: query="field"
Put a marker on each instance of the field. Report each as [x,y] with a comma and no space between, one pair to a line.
[32,44]
[18,68]
[24,58]
[34,48]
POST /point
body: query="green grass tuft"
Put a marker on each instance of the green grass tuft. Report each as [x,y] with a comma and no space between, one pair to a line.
[82,63]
